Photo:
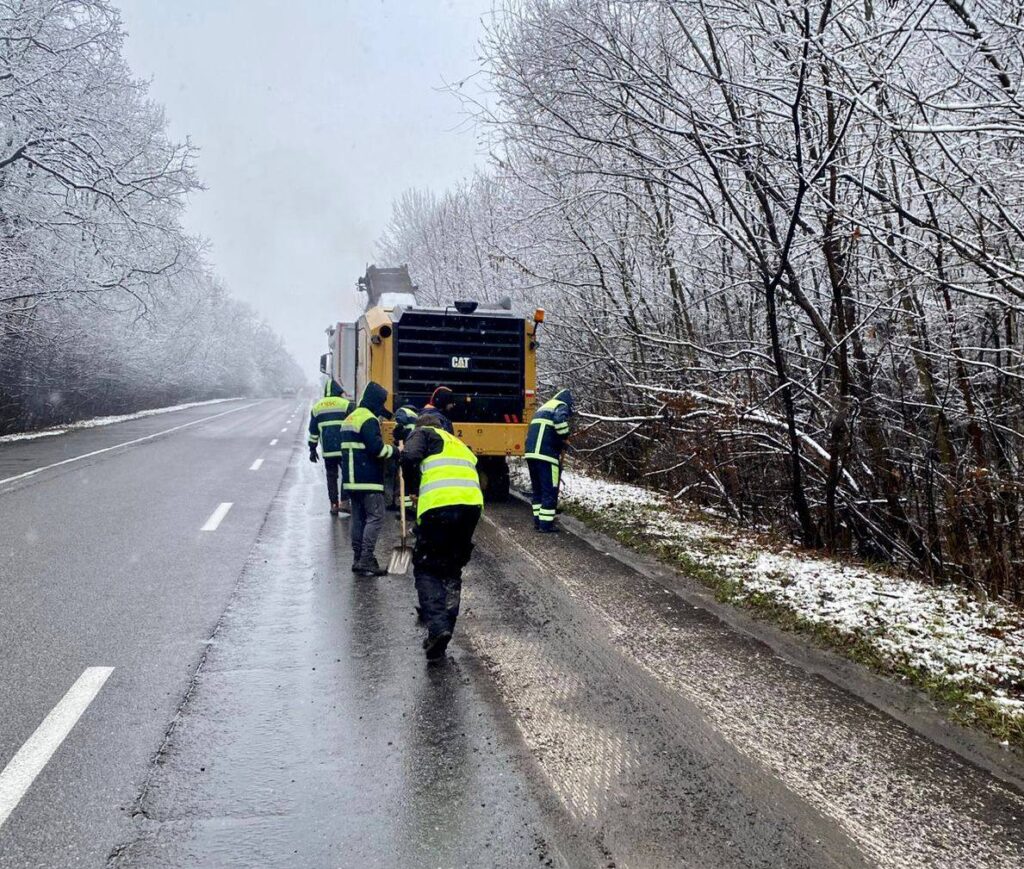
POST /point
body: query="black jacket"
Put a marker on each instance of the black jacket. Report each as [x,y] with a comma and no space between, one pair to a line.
[438,418]
[420,444]
[326,418]
[405,421]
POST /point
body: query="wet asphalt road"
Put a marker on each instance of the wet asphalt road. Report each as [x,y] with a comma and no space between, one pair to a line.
[266,708]
[316,735]
[103,564]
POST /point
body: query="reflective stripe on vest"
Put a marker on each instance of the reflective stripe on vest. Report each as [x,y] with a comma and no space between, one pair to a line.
[444,462]
[440,484]
[449,478]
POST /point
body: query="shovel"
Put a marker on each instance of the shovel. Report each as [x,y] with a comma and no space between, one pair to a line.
[401,555]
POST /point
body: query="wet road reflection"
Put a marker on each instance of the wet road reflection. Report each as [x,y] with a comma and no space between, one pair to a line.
[319,736]
[439,777]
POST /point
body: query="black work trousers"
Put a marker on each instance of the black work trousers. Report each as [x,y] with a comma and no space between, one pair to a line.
[332,464]
[444,542]
[544,480]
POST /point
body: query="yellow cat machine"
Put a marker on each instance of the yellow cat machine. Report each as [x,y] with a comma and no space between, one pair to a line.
[487,356]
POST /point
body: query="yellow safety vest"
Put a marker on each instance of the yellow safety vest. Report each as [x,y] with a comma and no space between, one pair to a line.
[449,477]
[363,472]
[327,414]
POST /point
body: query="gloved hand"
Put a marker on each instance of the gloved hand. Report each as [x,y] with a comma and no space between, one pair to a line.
[312,454]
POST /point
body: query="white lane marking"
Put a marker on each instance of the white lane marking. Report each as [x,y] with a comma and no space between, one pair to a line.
[217,516]
[23,768]
[284,429]
[255,466]
[148,437]
[273,442]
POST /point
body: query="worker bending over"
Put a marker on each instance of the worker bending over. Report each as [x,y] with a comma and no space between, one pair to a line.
[325,422]
[545,440]
[366,455]
[448,506]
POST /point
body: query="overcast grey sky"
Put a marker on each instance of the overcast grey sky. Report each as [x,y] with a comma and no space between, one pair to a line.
[311,116]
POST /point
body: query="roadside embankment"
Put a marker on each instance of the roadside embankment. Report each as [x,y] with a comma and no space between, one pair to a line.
[965,653]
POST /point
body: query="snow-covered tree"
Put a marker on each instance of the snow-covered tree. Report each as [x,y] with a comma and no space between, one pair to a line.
[782,245]
[105,302]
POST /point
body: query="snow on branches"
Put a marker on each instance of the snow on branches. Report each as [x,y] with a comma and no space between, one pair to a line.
[792,232]
[101,290]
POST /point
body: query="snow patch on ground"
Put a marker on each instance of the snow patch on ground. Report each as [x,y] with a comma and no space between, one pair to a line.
[105,420]
[32,435]
[943,632]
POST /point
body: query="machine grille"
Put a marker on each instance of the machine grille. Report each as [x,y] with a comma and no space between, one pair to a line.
[479,357]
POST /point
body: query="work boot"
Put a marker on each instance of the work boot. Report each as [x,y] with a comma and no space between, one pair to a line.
[356,558]
[368,567]
[549,529]
[335,508]
[435,644]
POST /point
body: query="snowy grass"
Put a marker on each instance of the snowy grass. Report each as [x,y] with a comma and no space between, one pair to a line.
[960,648]
[104,420]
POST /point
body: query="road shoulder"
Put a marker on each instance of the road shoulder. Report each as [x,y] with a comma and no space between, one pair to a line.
[569,621]
[900,700]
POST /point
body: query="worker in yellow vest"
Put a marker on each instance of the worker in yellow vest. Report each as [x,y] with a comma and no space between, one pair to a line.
[366,456]
[325,421]
[442,471]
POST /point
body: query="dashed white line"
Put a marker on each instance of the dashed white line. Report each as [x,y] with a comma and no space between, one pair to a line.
[284,429]
[23,768]
[255,466]
[273,442]
[118,446]
[217,516]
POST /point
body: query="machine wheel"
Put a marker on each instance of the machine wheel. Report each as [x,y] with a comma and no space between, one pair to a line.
[494,478]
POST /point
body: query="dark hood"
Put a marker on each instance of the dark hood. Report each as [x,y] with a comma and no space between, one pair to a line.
[332,387]
[566,396]
[373,398]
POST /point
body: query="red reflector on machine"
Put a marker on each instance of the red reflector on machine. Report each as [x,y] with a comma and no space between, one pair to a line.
[529,393]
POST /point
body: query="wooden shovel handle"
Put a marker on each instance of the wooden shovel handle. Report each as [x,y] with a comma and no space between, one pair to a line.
[401,493]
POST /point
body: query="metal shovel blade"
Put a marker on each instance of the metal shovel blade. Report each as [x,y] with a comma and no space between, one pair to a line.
[401,558]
